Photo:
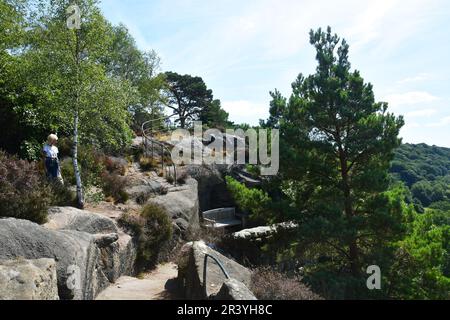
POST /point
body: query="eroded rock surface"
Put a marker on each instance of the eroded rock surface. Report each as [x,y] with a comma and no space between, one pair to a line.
[190,271]
[22,279]
[89,250]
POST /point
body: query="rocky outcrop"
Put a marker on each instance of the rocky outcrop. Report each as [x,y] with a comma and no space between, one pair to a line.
[264,232]
[68,218]
[28,280]
[89,250]
[248,245]
[234,290]
[212,191]
[182,205]
[191,267]
[75,254]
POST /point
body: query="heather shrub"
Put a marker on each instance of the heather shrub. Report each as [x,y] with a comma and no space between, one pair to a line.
[114,185]
[268,284]
[62,196]
[90,164]
[151,229]
[116,165]
[24,191]
[148,163]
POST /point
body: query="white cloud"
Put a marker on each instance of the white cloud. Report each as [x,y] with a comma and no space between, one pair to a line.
[243,111]
[441,123]
[421,113]
[410,98]
[418,78]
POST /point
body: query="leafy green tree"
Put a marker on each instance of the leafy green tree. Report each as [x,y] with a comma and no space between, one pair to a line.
[336,146]
[65,65]
[422,264]
[126,61]
[187,96]
[214,116]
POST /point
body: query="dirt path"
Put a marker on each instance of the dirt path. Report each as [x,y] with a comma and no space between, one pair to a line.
[157,285]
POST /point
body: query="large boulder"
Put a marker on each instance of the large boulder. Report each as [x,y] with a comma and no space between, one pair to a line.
[28,280]
[191,266]
[212,191]
[68,218]
[89,250]
[117,250]
[234,290]
[75,253]
[182,205]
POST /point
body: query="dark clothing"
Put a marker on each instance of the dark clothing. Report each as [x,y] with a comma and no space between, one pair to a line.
[52,166]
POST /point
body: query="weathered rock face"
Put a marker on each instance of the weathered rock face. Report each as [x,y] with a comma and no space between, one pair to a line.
[212,192]
[117,252]
[247,245]
[143,188]
[190,271]
[28,280]
[182,205]
[68,248]
[89,250]
[234,290]
[67,218]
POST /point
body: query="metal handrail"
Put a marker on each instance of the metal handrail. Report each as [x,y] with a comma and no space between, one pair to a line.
[145,134]
[205,263]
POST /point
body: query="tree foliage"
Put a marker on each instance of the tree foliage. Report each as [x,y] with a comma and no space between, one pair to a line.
[336,146]
[425,170]
[191,100]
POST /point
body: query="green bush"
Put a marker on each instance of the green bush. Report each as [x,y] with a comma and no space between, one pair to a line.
[114,186]
[24,192]
[30,150]
[65,147]
[62,195]
[152,228]
[91,166]
[253,201]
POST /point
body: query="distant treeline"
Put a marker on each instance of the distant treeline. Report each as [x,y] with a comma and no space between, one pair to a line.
[425,170]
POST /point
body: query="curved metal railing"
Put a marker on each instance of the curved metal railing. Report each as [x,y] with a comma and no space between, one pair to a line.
[149,140]
[205,264]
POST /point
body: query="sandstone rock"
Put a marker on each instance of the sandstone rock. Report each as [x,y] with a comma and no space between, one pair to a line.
[263,232]
[182,203]
[190,271]
[118,251]
[68,218]
[209,178]
[143,188]
[105,240]
[86,263]
[28,280]
[75,254]
[234,290]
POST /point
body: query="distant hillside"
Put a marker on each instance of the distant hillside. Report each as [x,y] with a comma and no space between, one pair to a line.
[426,171]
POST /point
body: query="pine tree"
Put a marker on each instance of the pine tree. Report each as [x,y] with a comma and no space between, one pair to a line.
[336,146]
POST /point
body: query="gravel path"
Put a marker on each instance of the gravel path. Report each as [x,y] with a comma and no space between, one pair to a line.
[157,285]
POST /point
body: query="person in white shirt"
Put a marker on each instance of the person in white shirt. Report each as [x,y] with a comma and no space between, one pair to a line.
[51,151]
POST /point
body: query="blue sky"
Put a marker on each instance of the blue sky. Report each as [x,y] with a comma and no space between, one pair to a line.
[244,49]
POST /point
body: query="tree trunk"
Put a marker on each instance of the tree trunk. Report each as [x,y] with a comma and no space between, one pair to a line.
[76,169]
[348,207]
